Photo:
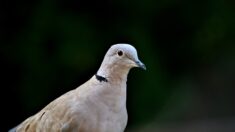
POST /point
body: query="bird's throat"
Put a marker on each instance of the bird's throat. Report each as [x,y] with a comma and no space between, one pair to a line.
[113,75]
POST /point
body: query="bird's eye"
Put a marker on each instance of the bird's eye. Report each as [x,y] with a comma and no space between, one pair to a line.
[120,53]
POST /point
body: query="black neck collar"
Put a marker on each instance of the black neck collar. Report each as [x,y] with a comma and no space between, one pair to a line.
[100,78]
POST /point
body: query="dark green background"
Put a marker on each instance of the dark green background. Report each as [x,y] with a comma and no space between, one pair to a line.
[49,47]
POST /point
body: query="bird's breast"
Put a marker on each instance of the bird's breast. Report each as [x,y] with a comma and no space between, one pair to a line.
[106,109]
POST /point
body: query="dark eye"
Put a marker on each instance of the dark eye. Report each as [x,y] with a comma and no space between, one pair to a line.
[120,53]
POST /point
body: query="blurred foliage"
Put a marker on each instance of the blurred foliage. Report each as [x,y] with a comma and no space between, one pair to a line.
[49,47]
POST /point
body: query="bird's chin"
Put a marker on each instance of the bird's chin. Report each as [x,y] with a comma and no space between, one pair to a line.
[133,65]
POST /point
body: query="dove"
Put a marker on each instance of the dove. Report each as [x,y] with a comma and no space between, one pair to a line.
[98,105]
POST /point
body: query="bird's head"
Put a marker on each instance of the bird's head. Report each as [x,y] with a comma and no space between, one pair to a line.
[124,56]
[121,57]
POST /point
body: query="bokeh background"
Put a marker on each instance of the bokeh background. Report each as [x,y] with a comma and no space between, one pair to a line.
[49,47]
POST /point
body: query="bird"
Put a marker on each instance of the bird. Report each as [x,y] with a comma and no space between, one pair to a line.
[98,105]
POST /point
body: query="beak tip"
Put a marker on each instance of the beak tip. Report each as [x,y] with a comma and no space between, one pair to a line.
[144,68]
[141,65]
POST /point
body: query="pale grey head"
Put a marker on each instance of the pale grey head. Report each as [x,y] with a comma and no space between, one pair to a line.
[120,58]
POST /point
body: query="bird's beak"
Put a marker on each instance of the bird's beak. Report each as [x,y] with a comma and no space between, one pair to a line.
[140,65]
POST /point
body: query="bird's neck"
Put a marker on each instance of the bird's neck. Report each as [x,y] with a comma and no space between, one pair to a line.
[115,96]
[114,73]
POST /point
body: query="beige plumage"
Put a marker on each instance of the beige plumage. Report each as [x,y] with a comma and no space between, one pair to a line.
[99,105]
